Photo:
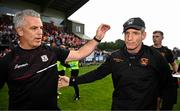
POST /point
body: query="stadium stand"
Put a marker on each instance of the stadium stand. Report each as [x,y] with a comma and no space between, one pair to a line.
[58,29]
[53,12]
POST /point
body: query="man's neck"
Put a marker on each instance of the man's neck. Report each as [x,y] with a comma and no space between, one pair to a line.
[26,47]
[157,46]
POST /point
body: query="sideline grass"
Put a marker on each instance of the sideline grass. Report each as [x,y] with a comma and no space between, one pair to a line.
[94,96]
[3,98]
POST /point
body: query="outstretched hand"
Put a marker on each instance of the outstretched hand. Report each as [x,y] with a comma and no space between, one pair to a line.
[101,31]
[63,81]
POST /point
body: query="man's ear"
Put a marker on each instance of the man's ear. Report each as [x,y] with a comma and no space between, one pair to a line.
[144,35]
[19,31]
[162,37]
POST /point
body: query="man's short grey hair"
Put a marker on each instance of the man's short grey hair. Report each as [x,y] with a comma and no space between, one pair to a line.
[18,19]
[143,29]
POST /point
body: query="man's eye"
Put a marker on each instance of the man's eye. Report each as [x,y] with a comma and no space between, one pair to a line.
[136,33]
[34,28]
[126,33]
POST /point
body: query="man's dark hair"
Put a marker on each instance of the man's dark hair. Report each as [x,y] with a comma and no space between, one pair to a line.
[158,31]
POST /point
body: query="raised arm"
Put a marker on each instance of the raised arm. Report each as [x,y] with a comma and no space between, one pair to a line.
[88,48]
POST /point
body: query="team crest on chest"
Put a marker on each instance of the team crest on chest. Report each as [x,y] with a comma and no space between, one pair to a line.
[44,58]
[144,61]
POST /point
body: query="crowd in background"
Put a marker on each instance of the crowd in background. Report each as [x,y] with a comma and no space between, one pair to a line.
[57,35]
[53,35]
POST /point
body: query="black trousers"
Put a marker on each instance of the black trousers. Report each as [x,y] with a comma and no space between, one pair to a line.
[74,74]
[169,99]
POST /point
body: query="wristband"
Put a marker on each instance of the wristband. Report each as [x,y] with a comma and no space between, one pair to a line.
[97,40]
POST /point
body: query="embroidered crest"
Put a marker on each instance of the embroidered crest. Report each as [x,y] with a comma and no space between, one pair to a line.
[44,58]
[144,61]
[130,21]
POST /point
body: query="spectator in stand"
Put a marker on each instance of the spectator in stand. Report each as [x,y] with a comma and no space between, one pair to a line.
[30,69]
[45,39]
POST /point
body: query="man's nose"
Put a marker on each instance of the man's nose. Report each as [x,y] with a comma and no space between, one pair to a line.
[130,36]
[40,31]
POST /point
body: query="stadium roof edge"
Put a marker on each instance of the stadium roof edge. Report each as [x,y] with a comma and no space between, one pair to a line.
[66,6]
